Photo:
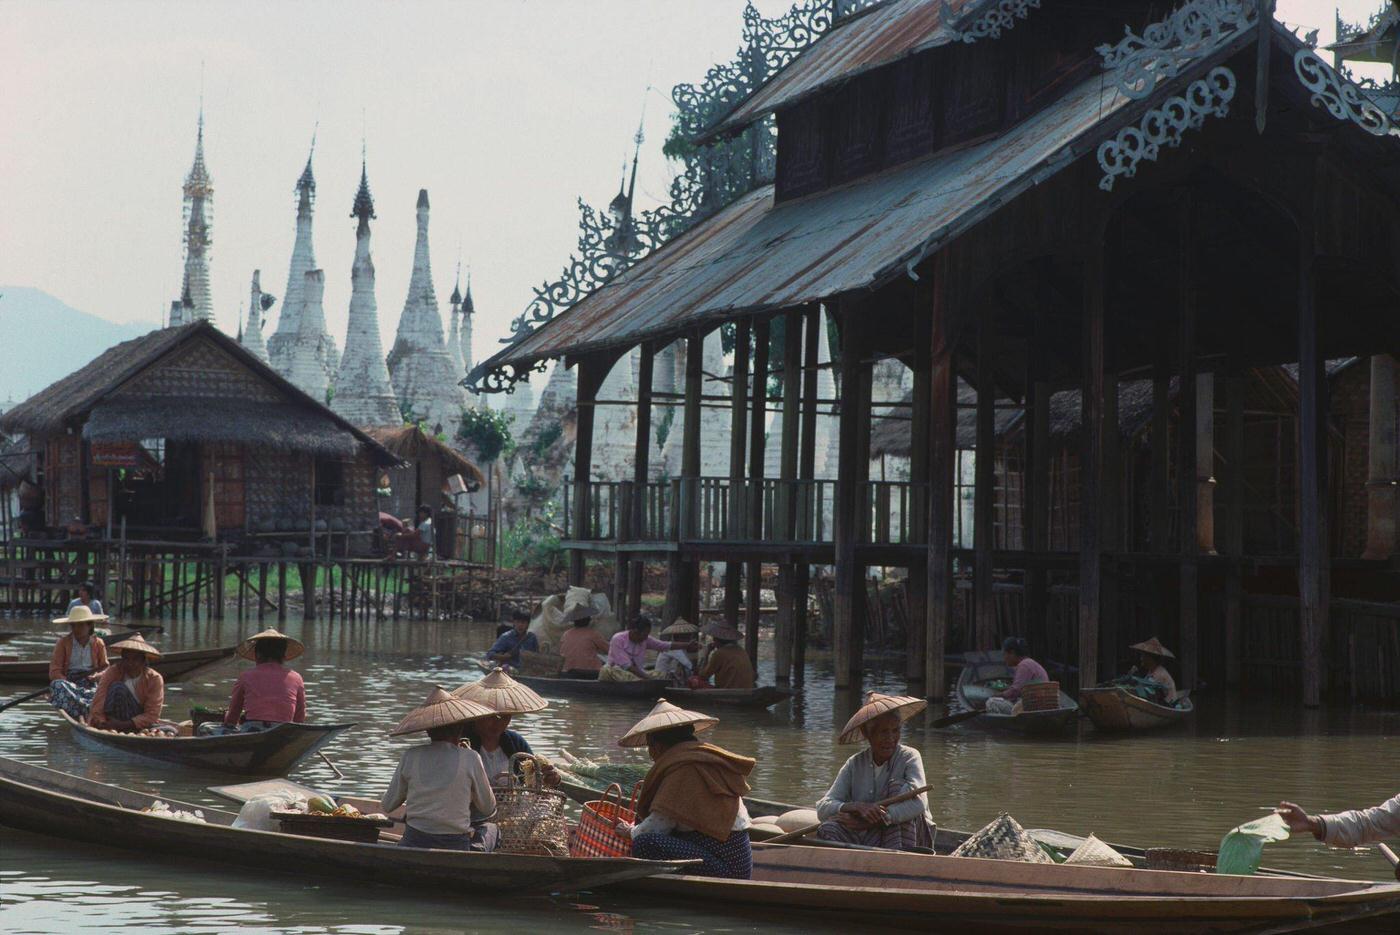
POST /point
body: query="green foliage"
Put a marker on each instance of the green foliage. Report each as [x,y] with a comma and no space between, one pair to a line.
[533,540]
[549,434]
[488,432]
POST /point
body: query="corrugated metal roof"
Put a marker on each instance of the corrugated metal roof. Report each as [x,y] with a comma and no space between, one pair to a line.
[867,40]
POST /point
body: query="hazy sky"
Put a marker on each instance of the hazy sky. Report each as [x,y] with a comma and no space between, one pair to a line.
[506,111]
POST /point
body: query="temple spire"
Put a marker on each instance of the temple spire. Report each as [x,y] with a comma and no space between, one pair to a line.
[454,332]
[281,347]
[199,216]
[363,393]
[468,311]
[258,302]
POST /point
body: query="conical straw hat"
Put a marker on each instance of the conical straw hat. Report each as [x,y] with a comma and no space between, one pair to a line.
[81,614]
[137,642]
[1153,646]
[1095,853]
[663,717]
[1003,839]
[440,710]
[876,705]
[682,627]
[247,648]
[722,631]
[502,694]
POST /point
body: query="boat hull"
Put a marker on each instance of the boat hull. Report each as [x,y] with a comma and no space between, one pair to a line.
[764,696]
[172,666]
[267,753]
[886,889]
[1114,709]
[51,803]
[645,689]
[972,693]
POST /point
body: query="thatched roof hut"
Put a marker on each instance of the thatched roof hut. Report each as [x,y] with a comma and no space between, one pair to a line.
[409,444]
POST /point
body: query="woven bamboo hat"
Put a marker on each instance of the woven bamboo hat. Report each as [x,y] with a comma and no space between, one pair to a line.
[878,705]
[722,631]
[440,710]
[502,694]
[81,614]
[663,717]
[682,627]
[247,648]
[135,642]
[1153,646]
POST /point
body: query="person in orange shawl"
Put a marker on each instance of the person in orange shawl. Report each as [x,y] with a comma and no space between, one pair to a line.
[130,694]
[692,805]
[78,659]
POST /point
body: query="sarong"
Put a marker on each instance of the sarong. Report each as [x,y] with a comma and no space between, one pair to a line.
[73,695]
[731,858]
[482,838]
[612,673]
[121,703]
[916,832]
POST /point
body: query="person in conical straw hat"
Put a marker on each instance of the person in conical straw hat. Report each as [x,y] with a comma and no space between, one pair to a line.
[442,784]
[78,657]
[491,737]
[727,663]
[581,644]
[692,805]
[1149,666]
[267,694]
[130,694]
[885,769]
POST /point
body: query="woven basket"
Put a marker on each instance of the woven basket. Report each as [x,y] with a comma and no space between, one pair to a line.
[1040,696]
[1171,858]
[531,818]
[543,665]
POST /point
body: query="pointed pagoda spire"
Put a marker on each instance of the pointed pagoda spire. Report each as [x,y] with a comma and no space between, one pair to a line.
[199,214]
[307,371]
[454,333]
[468,310]
[363,394]
[419,365]
[281,346]
[258,301]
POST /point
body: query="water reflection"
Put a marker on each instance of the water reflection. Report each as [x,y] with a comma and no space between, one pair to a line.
[1184,788]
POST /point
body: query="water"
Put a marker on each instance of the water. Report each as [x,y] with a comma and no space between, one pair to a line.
[1184,788]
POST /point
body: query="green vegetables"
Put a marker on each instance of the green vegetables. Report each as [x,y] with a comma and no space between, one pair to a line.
[602,773]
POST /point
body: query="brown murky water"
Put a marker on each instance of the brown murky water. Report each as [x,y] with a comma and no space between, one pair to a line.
[1184,788]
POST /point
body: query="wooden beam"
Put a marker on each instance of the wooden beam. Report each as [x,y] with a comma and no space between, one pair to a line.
[943,394]
[1188,574]
[806,469]
[916,581]
[591,372]
[1205,463]
[1091,465]
[845,629]
[1234,522]
[1111,512]
[758,427]
[737,518]
[1381,462]
[1313,563]
[787,573]
[641,470]
[984,504]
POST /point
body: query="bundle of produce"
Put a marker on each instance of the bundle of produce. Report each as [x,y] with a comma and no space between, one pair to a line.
[162,810]
[601,773]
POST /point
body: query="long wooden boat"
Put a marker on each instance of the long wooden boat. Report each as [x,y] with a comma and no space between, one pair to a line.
[645,689]
[972,692]
[898,890]
[764,696]
[48,802]
[271,752]
[172,666]
[1114,708]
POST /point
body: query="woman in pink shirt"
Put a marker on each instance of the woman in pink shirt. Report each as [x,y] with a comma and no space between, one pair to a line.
[627,651]
[267,694]
[1016,653]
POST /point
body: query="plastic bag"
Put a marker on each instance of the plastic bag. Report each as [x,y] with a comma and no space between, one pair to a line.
[1242,849]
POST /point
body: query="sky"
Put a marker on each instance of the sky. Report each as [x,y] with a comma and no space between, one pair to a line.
[506,111]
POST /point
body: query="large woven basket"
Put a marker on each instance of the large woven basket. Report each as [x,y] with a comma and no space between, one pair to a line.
[530,818]
[544,665]
[1171,858]
[1040,696]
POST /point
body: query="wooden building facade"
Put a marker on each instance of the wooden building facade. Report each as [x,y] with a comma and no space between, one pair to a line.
[1025,197]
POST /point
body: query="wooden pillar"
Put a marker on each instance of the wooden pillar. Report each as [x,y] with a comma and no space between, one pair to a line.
[1111,512]
[1159,479]
[738,412]
[641,469]
[916,580]
[1234,522]
[1381,475]
[943,393]
[687,571]
[1091,466]
[1205,463]
[984,466]
[589,379]
[787,494]
[1188,574]
[758,425]
[806,470]
[1313,563]
[1037,493]
[845,629]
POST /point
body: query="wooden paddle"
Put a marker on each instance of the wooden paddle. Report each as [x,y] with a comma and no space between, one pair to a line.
[803,832]
[29,697]
[956,718]
[1389,855]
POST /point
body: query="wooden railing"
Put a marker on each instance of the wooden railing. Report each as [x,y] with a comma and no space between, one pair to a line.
[712,509]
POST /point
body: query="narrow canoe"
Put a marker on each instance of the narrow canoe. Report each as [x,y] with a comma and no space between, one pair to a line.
[645,689]
[265,753]
[764,696]
[1113,708]
[47,802]
[172,666]
[898,890]
[972,693]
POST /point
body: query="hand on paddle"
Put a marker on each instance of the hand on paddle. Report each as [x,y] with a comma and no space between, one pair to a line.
[1299,821]
[863,815]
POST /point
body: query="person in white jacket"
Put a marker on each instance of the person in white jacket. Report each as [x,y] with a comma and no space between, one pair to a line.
[1346,829]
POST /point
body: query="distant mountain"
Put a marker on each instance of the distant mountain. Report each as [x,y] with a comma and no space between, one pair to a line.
[42,339]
